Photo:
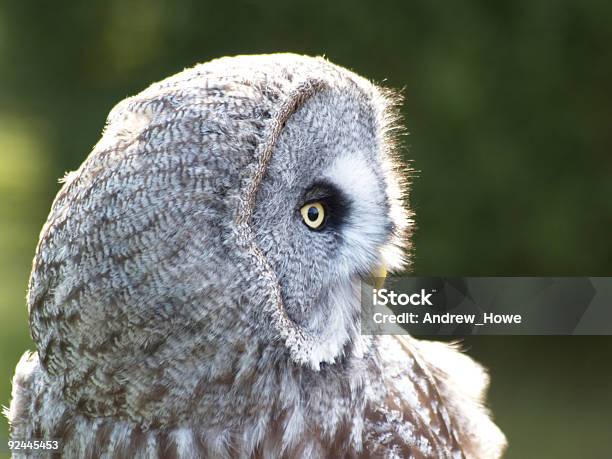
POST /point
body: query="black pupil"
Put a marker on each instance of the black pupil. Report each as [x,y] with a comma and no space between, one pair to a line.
[313,213]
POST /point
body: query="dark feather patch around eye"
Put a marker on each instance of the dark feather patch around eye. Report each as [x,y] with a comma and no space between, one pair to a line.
[336,204]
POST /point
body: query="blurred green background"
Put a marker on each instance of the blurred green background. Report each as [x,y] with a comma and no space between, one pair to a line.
[508,105]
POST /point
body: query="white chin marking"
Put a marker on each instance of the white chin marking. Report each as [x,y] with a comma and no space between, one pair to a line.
[339,329]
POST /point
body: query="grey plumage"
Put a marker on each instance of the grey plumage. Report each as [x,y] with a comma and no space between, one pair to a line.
[181,308]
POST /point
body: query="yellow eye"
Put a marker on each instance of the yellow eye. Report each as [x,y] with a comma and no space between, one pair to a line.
[313,214]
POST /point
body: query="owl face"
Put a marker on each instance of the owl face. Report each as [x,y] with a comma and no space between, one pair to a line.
[328,214]
[222,223]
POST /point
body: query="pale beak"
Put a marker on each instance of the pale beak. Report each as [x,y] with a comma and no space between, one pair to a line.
[377,276]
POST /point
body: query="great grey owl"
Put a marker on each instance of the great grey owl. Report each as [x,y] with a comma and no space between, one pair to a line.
[195,291]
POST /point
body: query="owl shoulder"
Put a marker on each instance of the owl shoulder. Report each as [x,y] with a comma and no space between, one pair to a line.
[446,389]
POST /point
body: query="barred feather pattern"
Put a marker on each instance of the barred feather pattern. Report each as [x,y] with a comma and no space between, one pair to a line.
[180,308]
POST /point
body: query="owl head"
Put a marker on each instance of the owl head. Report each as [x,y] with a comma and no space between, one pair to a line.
[221,225]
